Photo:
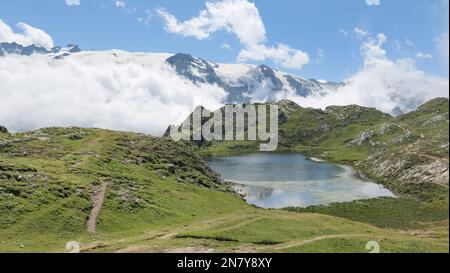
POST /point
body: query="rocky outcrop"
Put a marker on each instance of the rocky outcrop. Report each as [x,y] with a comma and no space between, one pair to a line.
[355,112]
[364,138]
[245,79]
[17,49]
[3,130]
[412,149]
[407,169]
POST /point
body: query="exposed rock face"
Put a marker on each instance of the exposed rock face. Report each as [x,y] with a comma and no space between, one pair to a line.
[355,112]
[408,150]
[15,48]
[3,129]
[243,82]
[413,148]
[57,51]
[196,70]
[363,138]
[410,169]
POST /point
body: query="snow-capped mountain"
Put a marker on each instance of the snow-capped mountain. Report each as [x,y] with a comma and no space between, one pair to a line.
[243,83]
[57,52]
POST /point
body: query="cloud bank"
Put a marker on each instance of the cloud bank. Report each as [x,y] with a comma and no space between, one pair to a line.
[139,92]
[389,85]
[241,18]
[30,35]
[97,90]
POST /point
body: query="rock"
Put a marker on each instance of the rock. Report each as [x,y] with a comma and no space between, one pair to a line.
[171,168]
[127,161]
[75,137]
[385,128]
[180,180]
[364,138]
[3,130]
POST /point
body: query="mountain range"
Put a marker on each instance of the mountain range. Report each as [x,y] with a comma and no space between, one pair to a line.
[243,83]
[57,51]
[127,192]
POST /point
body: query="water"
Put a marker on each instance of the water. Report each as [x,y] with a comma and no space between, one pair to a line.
[279,180]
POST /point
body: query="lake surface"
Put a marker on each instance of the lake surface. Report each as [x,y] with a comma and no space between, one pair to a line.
[279,180]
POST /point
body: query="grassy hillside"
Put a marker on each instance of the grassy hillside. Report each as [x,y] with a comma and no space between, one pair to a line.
[408,154]
[155,195]
[411,151]
[400,152]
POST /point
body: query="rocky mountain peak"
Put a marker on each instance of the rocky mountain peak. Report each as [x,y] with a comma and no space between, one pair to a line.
[18,49]
[194,69]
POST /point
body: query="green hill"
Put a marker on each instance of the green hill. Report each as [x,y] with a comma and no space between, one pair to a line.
[400,152]
[126,192]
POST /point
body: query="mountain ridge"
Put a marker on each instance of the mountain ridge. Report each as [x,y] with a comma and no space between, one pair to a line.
[241,87]
[160,195]
[17,49]
[400,152]
[243,83]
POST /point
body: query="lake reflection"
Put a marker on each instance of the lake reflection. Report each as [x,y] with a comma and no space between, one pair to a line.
[278,180]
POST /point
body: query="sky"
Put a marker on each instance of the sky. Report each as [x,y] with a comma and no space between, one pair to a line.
[390,54]
[318,39]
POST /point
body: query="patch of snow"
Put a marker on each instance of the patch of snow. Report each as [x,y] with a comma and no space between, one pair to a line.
[232,72]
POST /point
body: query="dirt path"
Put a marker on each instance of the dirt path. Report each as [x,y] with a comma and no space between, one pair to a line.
[165,234]
[252,248]
[309,241]
[97,202]
[189,250]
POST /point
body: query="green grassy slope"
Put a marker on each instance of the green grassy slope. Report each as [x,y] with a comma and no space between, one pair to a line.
[401,152]
[160,196]
[47,179]
[408,154]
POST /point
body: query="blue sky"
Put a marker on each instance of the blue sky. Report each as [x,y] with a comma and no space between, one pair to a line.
[322,29]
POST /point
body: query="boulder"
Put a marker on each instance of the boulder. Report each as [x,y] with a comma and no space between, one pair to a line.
[3,129]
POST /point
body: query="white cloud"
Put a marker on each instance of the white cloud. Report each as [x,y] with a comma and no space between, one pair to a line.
[423,56]
[373,2]
[29,35]
[320,56]
[73,2]
[125,91]
[131,8]
[282,54]
[119,3]
[382,83]
[360,33]
[145,19]
[241,18]
[343,32]
[225,46]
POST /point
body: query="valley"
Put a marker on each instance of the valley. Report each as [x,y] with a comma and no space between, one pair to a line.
[161,196]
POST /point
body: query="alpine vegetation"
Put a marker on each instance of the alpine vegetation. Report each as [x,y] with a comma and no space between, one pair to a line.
[231,123]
